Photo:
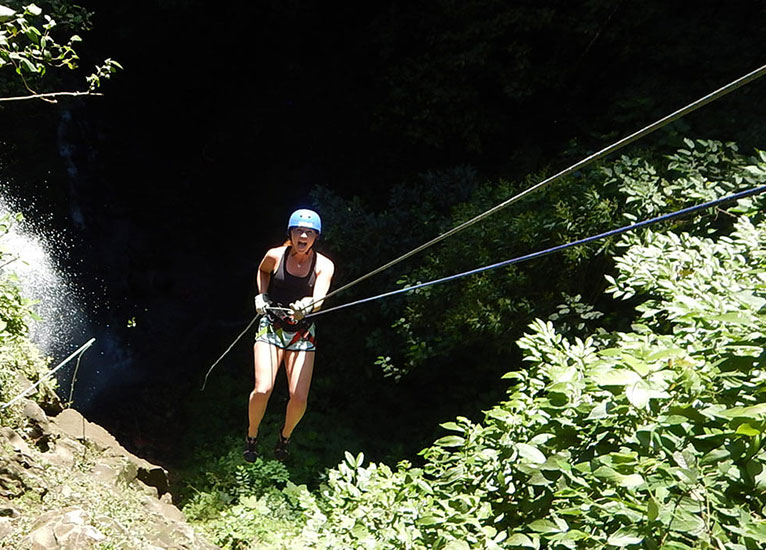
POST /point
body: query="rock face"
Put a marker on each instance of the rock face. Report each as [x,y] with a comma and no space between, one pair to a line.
[67,484]
[67,529]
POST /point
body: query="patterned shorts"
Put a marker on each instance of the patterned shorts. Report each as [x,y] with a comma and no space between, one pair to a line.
[303,338]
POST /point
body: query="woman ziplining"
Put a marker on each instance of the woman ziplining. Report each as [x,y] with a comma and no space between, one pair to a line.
[292,281]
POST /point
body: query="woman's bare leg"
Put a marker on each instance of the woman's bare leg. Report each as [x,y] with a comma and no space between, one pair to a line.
[267,359]
[299,366]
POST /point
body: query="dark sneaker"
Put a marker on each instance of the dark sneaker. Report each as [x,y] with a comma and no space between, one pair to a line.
[251,448]
[281,452]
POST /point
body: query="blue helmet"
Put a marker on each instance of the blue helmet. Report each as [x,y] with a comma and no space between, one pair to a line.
[305,218]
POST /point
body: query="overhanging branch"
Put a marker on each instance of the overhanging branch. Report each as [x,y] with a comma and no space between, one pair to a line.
[49,97]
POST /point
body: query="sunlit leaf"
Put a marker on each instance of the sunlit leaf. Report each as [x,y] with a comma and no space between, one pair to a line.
[748,430]
[616,377]
[450,441]
[624,538]
[520,539]
[544,526]
[530,453]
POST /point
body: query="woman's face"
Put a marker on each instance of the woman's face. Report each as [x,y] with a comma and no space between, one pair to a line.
[303,238]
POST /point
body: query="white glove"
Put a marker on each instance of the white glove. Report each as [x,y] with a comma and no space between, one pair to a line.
[261,304]
[302,307]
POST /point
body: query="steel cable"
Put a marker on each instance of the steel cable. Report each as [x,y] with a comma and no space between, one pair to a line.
[538,254]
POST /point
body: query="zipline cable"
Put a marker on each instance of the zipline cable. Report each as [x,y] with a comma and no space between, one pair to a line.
[79,351]
[720,92]
[538,254]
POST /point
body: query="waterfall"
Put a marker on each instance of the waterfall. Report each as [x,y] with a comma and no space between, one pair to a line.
[33,258]
[30,257]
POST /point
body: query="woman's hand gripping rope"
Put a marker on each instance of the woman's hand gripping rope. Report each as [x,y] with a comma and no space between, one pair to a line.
[301,308]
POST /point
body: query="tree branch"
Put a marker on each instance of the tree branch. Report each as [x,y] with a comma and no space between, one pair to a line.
[49,97]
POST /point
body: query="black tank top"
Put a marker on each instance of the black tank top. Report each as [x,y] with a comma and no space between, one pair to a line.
[285,288]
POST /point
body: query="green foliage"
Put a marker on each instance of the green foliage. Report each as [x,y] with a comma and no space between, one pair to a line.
[484,311]
[236,502]
[33,42]
[18,357]
[15,310]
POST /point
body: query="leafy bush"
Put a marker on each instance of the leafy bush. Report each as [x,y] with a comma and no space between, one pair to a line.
[235,502]
[32,42]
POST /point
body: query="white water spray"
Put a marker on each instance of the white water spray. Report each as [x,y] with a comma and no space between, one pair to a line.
[30,257]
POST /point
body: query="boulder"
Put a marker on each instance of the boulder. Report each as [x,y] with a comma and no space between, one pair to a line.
[72,424]
[80,448]
[15,441]
[66,529]
[37,428]
[12,483]
[6,528]
[63,452]
[180,536]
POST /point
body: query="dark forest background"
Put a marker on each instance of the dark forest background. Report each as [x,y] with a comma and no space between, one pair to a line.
[384,117]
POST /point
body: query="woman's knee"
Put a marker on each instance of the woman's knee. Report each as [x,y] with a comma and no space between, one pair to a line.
[262,391]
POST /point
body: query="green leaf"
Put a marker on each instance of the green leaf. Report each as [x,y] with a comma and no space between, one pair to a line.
[544,526]
[624,537]
[27,65]
[638,394]
[452,426]
[610,474]
[652,509]
[6,13]
[670,353]
[457,545]
[732,318]
[450,441]
[598,412]
[616,377]
[33,34]
[686,522]
[636,364]
[748,430]
[715,456]
[753,412]
[520,539]
[359,531]
[530,453]
[249,502]
[429,520]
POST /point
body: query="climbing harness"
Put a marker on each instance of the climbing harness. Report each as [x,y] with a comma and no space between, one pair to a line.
[717,94]
[284,332]
[541,253]
[50,373]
